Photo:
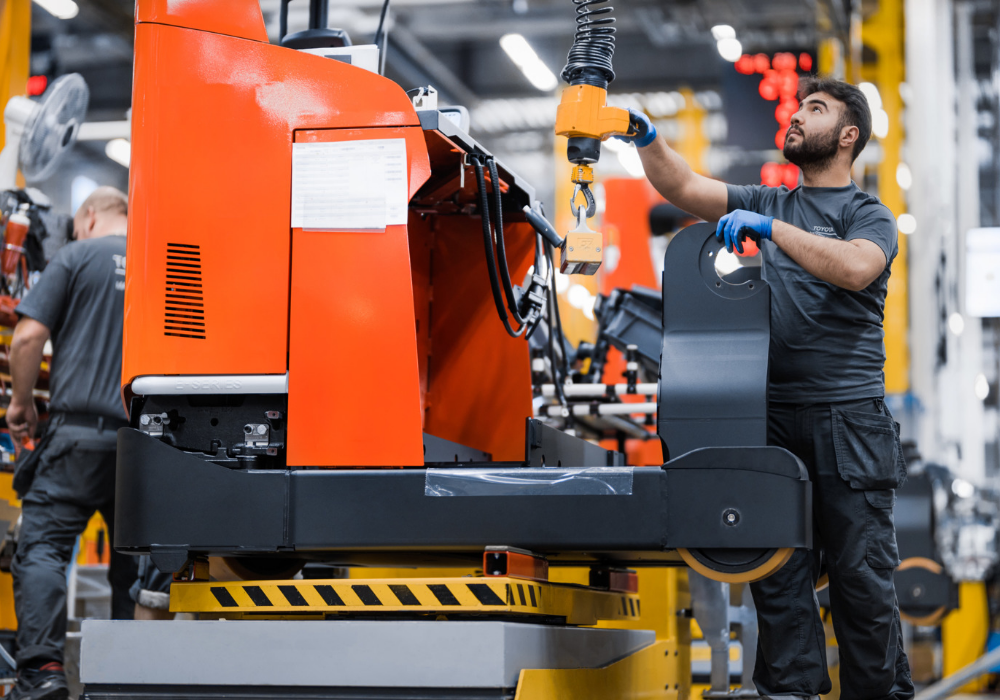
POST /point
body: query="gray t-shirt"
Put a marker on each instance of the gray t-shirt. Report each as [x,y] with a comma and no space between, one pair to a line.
[826,341]
[81,299]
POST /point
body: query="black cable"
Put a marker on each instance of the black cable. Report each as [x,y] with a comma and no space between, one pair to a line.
[553,304]
[380,36]
[501,249]
[484,212]
[589,60]
[283,20]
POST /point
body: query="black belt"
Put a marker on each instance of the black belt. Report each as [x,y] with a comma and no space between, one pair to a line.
[91,420]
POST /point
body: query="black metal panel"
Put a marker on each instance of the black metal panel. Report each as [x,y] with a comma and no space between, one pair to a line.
[548,447]
[172,503]
[913,516]
[751,499]
[161,490]
[921,592]
[386,509]
[713,365]
[440,451]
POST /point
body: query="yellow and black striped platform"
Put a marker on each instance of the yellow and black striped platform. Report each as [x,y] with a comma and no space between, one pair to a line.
[578,605]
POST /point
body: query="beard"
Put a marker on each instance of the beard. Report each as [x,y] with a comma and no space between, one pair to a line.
[813,150]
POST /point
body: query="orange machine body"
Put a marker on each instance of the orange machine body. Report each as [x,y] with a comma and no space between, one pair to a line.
[352,317]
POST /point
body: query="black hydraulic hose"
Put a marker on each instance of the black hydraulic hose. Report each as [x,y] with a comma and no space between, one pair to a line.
[484,212]
[589,60]
[555,309]
[555,329]
[380,37]
[508,288]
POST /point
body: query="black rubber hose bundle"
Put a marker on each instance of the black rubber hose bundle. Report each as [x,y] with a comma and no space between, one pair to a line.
[589,60]
[487,218]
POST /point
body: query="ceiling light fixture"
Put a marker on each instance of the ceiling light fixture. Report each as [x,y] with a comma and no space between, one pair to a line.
[723,31]
[61,9]
[525,58]
[904,176]
[730,49]
[906,223]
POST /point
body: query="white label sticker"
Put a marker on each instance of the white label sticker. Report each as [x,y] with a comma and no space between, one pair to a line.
[349,185]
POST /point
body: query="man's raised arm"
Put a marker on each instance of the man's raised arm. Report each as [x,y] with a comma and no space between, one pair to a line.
[672,177]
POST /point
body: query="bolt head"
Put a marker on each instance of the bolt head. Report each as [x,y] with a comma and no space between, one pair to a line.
[598,250]
[571,249]
[261,429]
[144,419]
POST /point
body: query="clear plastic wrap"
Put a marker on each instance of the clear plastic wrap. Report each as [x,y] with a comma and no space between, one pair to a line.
[587,481]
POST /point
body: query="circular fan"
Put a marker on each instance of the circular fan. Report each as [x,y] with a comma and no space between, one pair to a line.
[53,126]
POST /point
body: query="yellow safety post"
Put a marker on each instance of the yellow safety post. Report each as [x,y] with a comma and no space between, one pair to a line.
[15,54]
[15,50]
[661,671]
[964,632]
[883,32]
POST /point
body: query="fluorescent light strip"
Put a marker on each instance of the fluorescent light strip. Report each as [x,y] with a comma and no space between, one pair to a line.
[525,58]
[61,9]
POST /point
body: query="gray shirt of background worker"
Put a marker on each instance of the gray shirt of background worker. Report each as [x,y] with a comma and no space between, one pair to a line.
[78,302]
[827,251]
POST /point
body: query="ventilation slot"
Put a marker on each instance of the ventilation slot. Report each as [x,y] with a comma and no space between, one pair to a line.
[185,306]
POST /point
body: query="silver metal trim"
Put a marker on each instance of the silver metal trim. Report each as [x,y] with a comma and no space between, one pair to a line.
[345,653]
[210,384]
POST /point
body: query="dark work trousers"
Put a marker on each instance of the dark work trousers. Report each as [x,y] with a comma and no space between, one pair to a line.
[851,451]
[74,477]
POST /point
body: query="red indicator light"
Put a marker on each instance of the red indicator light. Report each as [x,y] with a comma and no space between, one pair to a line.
[37,85]
[805,62]
[744,64]
[761,63]
[790,176]
[783,61]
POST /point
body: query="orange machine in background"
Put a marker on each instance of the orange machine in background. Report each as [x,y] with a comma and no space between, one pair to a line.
[358,325]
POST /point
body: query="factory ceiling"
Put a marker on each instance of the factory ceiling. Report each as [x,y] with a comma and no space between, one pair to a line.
[454,44]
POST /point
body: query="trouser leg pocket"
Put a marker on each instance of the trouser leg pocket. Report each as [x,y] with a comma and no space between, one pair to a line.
[880,534]
[866,447]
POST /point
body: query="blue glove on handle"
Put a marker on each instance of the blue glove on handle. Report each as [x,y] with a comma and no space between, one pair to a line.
[644,131]
[740,224]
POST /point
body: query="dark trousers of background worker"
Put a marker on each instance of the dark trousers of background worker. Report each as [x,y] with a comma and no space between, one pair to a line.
[73,476]
[852,453]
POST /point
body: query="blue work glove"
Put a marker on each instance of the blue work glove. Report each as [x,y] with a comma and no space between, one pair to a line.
[739,225]
[641,130]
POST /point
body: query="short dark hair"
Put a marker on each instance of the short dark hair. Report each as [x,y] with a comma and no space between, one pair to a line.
[856,112]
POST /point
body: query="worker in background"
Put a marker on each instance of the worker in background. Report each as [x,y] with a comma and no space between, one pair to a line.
[827,251]
[79,303]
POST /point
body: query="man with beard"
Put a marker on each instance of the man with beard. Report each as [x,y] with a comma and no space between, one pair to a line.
[827,249]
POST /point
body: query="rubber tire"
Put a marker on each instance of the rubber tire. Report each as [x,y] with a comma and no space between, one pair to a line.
[753,565]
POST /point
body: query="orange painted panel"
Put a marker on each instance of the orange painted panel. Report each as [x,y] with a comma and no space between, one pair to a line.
[212,127]
[479,378]
[239,18]
[626,225]
[353,376]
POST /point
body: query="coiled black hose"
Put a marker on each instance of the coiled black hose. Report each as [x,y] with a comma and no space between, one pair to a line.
[589,60]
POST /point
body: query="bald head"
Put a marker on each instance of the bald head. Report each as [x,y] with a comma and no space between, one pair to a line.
[103,213]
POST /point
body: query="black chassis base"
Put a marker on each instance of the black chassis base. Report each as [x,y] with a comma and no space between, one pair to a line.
[174,505]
